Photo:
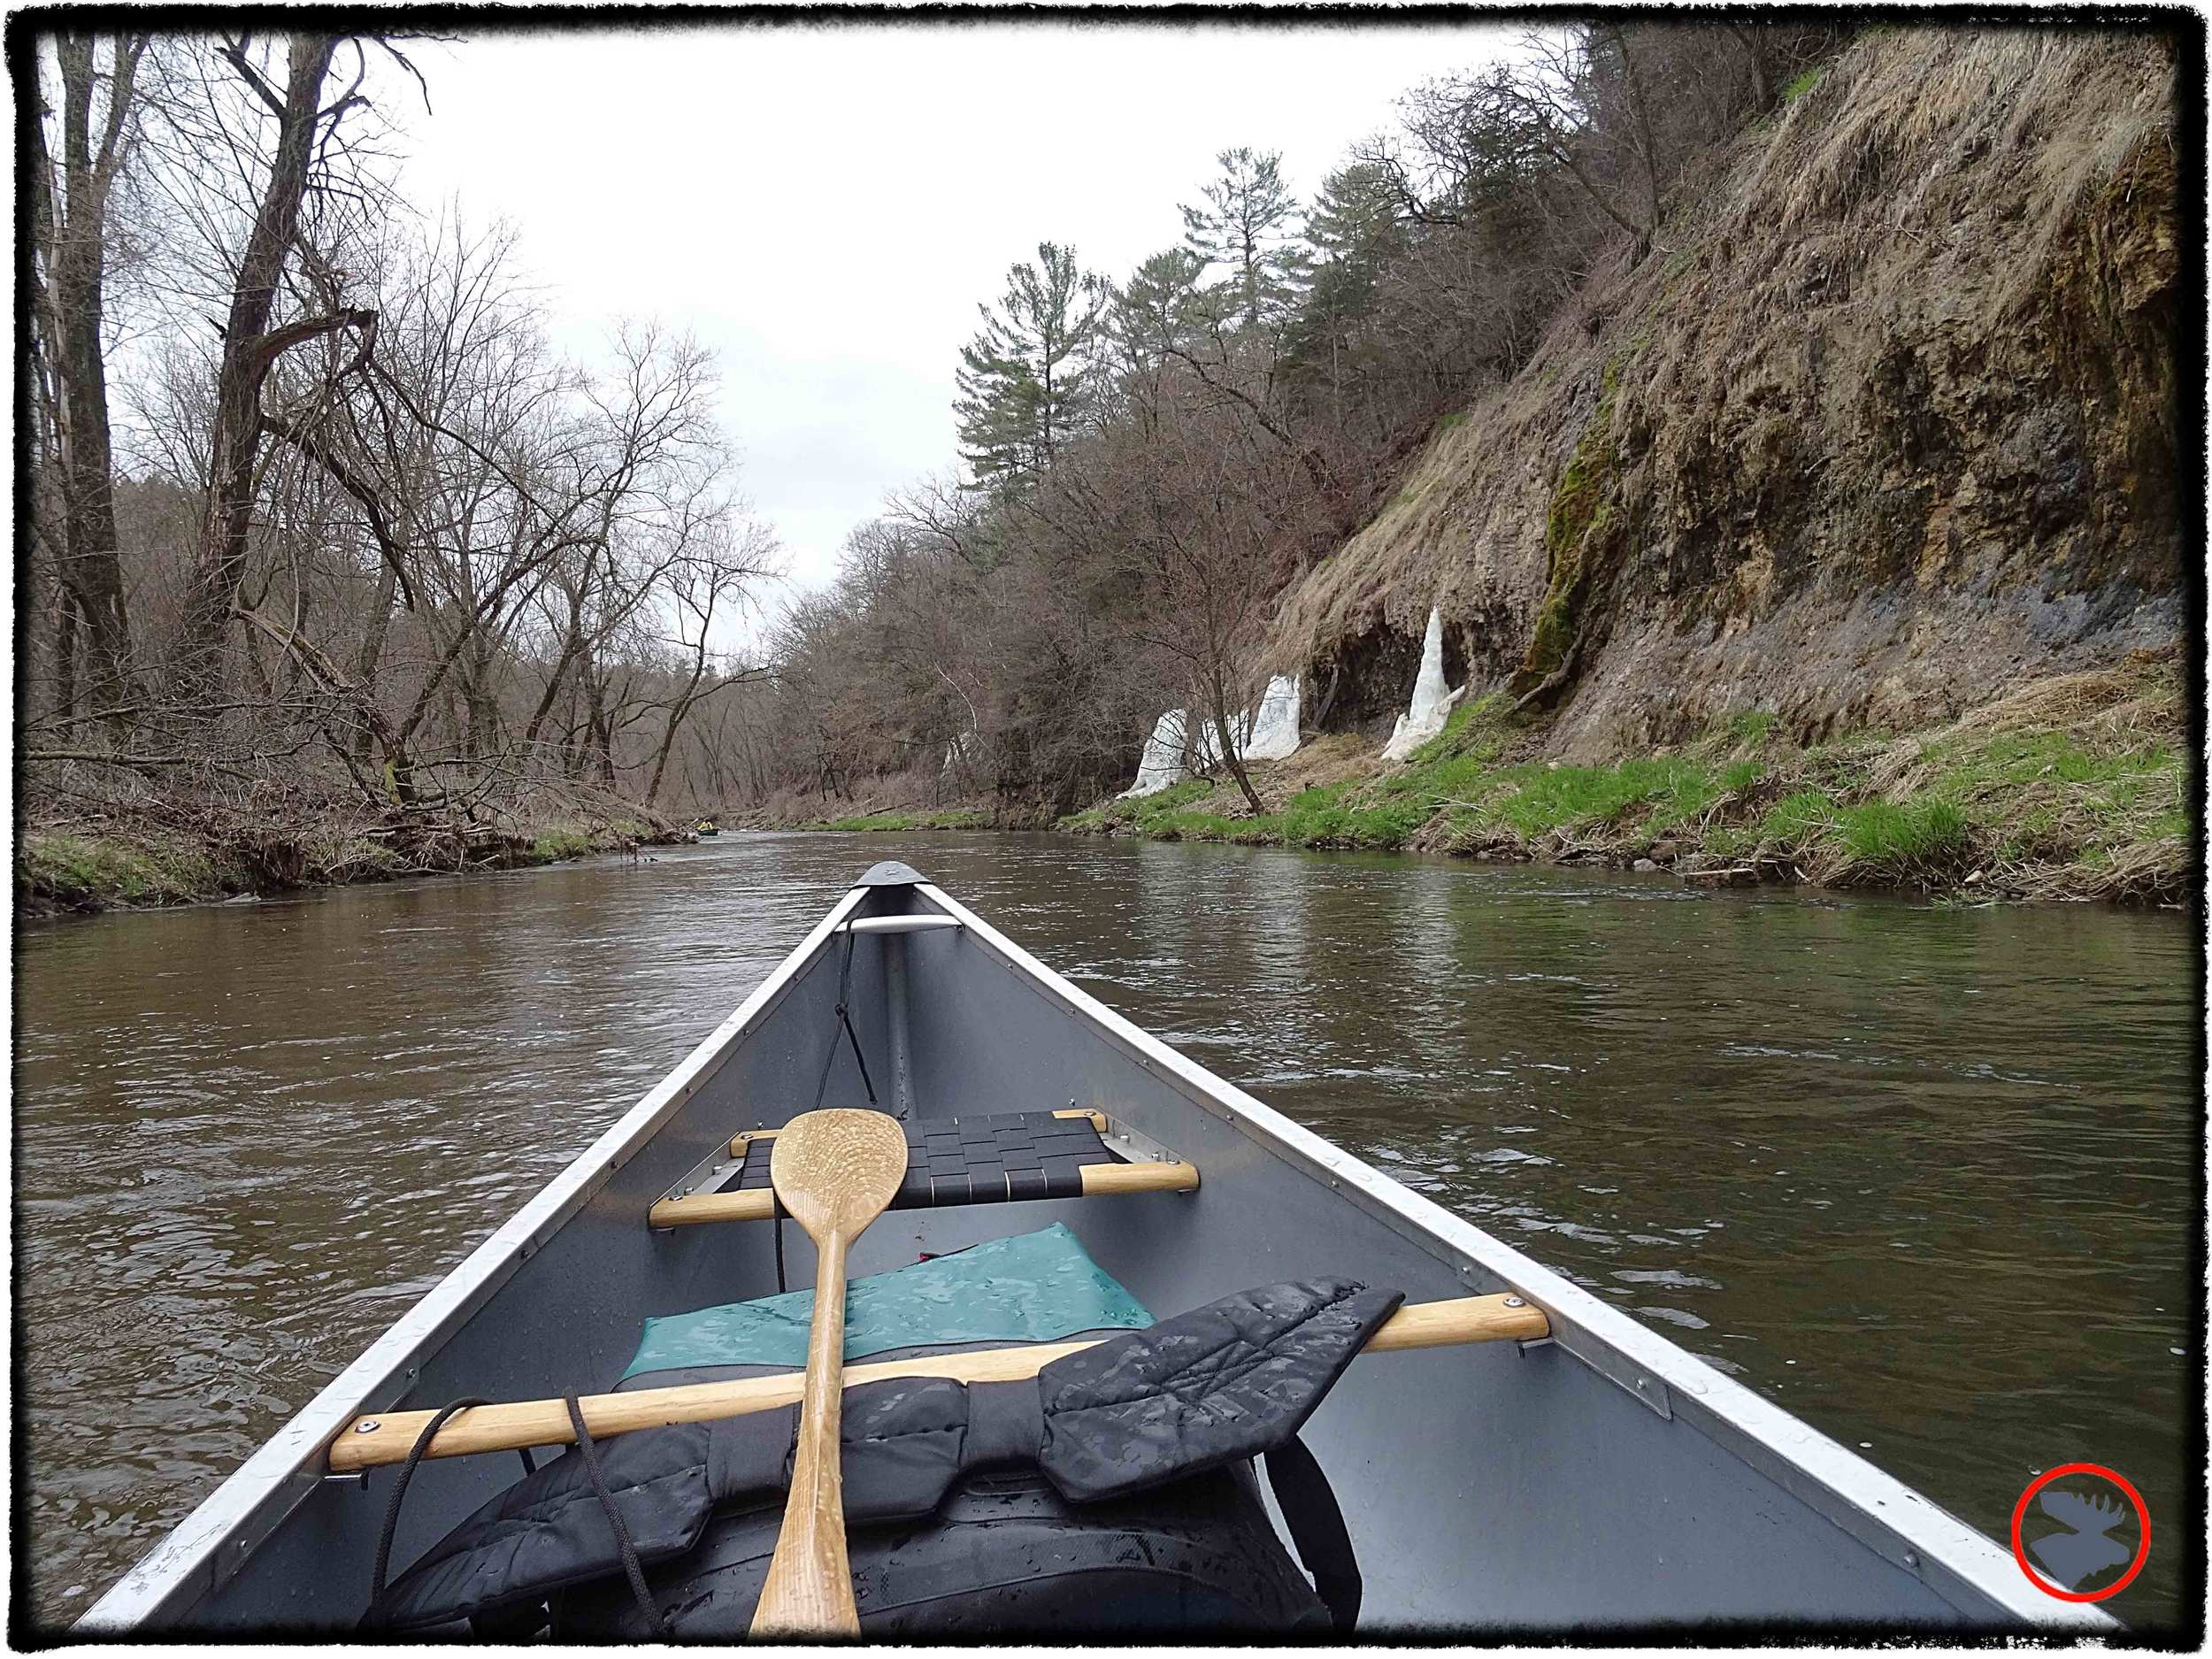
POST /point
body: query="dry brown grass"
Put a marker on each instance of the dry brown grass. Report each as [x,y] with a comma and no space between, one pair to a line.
[1928,187]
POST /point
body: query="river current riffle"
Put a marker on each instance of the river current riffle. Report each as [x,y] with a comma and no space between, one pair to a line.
[1925,1176]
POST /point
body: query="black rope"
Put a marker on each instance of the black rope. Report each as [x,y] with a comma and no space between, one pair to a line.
[631,1566]
[844,1019]
[821,1086]
[399,1491]
[776,1200]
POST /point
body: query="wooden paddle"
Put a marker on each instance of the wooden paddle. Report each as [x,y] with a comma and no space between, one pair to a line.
[835,1171]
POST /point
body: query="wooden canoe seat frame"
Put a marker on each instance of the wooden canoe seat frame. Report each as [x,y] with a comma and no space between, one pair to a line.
[1161,1172]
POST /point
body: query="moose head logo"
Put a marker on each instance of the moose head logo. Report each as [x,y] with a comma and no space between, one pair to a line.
[2099,1528]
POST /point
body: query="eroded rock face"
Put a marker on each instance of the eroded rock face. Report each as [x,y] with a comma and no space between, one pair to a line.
[1887,426]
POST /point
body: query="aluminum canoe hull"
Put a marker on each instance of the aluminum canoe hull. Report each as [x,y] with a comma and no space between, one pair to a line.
[1606,1481]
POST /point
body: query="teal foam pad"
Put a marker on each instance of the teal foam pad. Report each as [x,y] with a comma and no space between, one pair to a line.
[1035,1288]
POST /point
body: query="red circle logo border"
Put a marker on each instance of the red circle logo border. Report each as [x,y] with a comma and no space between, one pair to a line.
[2142,1549]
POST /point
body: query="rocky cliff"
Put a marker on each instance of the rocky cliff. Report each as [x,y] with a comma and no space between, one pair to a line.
[1883,426]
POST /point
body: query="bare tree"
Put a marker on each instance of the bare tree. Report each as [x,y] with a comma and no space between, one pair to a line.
[702,586]
[299,147]
[69,206]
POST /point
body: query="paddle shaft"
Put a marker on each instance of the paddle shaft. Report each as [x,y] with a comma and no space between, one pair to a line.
[809,1586]
[835,1171]
[384,1437]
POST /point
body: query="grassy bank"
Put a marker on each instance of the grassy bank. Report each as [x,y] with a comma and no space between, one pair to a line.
[949,818]
[2072,787]
[111,864]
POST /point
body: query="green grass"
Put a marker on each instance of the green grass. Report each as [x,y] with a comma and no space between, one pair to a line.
[2088,796]
[1799,820]
[958,817]
[80,872]
[1902,837]
[1322,817]
[1479,728]
[1752,727]
[2031,757]
[1803,83]
[554,845]
[1540,799]
[1143,814]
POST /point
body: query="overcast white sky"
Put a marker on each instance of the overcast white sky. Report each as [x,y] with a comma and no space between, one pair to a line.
[826,207]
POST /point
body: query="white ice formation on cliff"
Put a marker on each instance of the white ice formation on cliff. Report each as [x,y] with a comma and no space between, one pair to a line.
[1274,728]
[1432,701]
[1162,762]
[1268,733]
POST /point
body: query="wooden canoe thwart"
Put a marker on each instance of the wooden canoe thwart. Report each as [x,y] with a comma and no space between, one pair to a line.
[758,1204]
[388,1437]
[1103,1176]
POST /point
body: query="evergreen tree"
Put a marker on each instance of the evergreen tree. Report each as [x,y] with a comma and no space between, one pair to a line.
[1027,378]
[1159,307]
[1249,226]
[1356,232]
[1353,224]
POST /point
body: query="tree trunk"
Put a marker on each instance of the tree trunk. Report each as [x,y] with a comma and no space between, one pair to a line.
[571,644]
[74,233]
[1646,147]
[1233,761]
[677,711]
[371,654]
[248,350]
[1752,41]
[65,653]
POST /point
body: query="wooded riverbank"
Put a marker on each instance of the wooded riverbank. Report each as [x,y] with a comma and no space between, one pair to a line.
[2074,787]
[1618,382]
[152,858]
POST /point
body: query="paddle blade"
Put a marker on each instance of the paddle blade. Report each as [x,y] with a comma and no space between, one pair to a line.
[838,1169]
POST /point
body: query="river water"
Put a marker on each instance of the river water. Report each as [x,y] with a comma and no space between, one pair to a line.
[1925,1176]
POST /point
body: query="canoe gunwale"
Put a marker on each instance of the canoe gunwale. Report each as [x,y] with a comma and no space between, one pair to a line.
[1906,1529]
[219,1537]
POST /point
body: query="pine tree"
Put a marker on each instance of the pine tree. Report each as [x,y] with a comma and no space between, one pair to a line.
[1159,307]
[1027,378]
[1356,233]
[1353,224]
[1248,226]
